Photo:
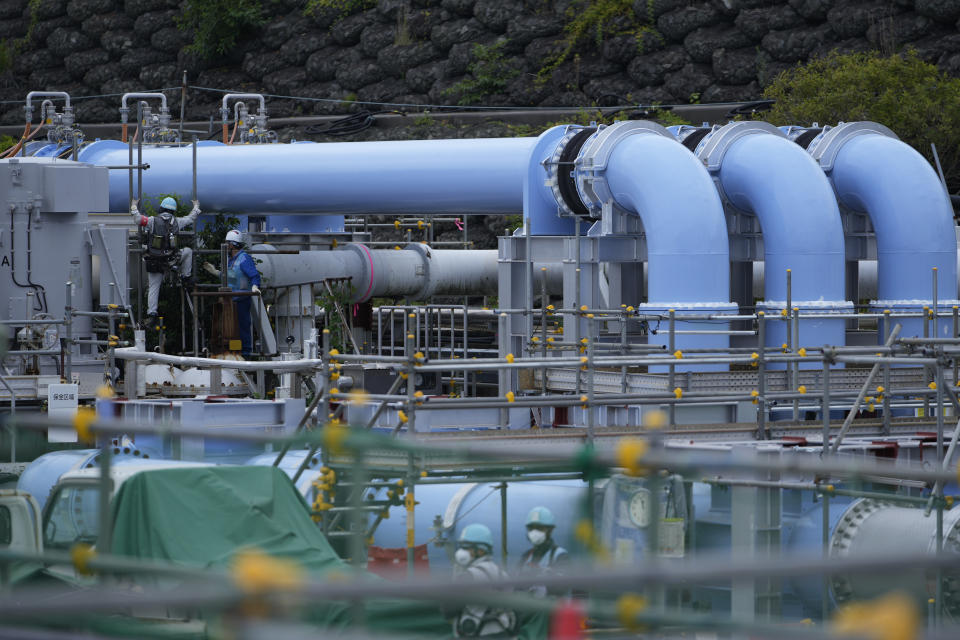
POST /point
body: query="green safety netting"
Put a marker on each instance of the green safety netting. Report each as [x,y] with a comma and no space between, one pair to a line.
[204,516]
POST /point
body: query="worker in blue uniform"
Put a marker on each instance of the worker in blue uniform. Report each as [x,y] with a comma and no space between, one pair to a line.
[242,275]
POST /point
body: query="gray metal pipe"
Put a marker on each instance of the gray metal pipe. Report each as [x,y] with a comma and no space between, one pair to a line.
[125,110]
[241,96]
[417,271]
[36,94]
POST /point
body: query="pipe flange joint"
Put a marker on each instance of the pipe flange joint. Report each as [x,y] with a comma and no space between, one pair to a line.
[593,159]
[841,538]
[716,144]
[556,164]
[363,289]
[825,147]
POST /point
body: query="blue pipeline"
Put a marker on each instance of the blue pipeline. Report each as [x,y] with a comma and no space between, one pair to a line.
[41,475]
[651,175]
[540,211]
[305,224]
[688,254]
[912,218]
[483,176]
[801,531]
[688,250]
[459,505]
[773,178]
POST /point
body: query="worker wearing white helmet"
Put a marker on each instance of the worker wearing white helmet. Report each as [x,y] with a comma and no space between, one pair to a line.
[162,255]
[242,275]
[545,556]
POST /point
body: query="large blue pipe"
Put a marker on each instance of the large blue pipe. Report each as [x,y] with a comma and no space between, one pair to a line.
[482,176]
[766,174]
[638,168]
[688,252]
[687,247]
[911,216]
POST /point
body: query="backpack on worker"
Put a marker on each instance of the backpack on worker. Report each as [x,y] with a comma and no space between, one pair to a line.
[162,243]
[475,621]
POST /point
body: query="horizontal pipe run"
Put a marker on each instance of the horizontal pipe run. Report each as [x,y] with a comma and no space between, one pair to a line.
[225,294]
[611,399]
[660,458]
[34,352]
[218,590]
[482,176]
[99,314]
[930,341]
[546,477]
[708,332]
[240,365]
[882,360]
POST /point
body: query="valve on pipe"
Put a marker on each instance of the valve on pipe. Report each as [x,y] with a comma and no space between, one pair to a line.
[154,128]
[255,134]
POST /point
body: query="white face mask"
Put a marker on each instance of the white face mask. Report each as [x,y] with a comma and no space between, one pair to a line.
[536,536]
[463,557]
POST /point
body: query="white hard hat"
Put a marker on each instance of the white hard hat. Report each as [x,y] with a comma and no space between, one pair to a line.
[234,236]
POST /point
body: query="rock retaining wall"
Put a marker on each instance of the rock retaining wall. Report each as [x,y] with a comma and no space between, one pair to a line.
[419,51]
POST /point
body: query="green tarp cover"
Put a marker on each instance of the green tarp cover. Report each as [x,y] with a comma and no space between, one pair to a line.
[203,516]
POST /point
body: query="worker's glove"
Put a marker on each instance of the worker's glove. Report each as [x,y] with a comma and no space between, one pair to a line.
[133,208]
[196,207]
[255,289]
[212,270]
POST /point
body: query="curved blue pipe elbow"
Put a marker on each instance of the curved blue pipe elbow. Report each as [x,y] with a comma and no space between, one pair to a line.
[650,174]
[773,178]
[688,252]
[782,185]
[483,176]
[911,216]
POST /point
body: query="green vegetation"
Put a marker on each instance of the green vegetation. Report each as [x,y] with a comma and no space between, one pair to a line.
[33,6]
[218,24]
[599,19]
[403,29]
[902,92]
[6,142]
[7,56]
[490,72]
[514,222]
[340,295]
[343,8]
[9,49]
